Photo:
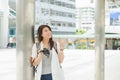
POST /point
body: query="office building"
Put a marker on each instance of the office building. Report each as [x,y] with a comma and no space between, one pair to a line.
[59,14]
[85,17]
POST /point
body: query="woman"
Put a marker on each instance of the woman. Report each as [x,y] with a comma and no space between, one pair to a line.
[48,59]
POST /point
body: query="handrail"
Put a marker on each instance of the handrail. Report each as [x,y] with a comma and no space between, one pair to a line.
[86,36]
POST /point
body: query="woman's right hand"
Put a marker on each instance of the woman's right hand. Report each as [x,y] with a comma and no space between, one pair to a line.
[38,59]
[40,54]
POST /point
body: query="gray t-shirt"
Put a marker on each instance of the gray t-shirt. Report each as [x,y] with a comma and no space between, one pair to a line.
[46,64]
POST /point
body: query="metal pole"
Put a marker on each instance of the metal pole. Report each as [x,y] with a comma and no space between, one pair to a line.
[25,21]
[49,20]
[99,38]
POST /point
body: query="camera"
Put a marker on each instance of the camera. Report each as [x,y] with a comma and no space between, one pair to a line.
[45,52]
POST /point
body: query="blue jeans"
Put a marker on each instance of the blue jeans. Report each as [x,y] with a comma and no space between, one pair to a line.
[46,77]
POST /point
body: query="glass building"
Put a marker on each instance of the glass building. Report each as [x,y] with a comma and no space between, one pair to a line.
[59,14]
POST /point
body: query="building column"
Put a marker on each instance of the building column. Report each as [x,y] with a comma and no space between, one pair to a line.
[25,21]
[99,39]
[4,28]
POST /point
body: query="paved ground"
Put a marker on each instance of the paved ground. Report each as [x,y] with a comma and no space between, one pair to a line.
[78,64]
[7,64]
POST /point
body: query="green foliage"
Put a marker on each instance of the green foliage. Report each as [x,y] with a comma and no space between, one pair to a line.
[81,46]
[78,31]
[69,44]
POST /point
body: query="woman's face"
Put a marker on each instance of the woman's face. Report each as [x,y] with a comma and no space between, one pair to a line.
[46,33]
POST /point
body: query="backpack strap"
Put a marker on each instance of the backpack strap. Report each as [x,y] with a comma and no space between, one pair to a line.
[37,47]
[55,47]
[35,67]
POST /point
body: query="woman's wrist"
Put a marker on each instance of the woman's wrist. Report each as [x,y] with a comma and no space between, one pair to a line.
[61,49]
[39,54]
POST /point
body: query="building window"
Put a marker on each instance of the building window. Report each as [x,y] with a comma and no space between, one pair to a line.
[53,24]
[12,31]
[58,24]
[70,24]
[52,2]
[45,11]
[69,15]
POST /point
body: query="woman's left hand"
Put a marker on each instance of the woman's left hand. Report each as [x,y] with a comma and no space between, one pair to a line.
[61,56]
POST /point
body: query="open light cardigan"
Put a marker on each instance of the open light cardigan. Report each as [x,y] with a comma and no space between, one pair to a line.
[57,73]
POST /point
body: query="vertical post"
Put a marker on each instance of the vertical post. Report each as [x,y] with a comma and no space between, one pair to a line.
[87,43]
[99,38]
[25,21]
[92,1]
[49,13]
[4,21]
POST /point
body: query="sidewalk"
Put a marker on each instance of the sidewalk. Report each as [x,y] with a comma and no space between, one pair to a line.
[8,64]
[77,65]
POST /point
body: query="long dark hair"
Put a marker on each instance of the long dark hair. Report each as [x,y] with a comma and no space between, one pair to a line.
[39,35]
